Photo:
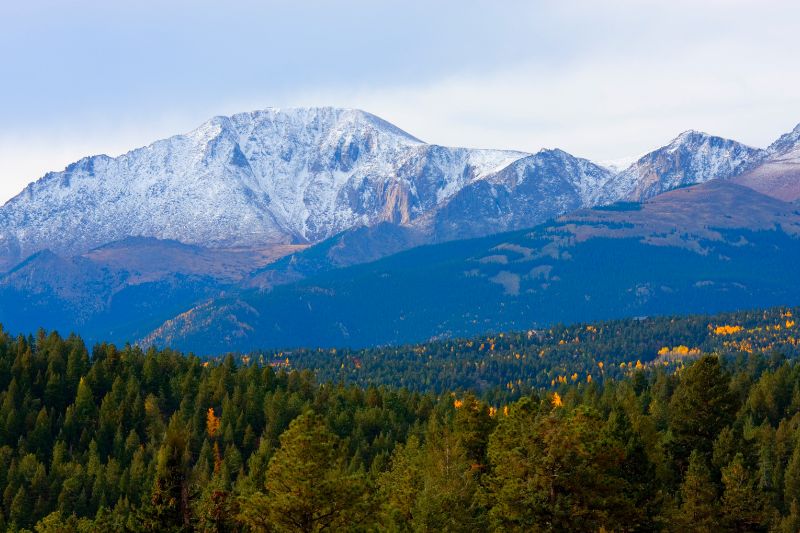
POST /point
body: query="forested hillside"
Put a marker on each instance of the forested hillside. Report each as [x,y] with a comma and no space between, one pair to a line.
[699,429]
[502,367]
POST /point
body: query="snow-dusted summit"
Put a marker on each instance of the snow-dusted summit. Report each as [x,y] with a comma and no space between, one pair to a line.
[527,192]
[692,157]
[252,179]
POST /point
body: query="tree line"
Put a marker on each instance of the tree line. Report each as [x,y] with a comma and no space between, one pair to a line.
[123,439]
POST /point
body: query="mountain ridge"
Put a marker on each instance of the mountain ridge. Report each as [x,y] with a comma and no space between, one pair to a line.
[302,175]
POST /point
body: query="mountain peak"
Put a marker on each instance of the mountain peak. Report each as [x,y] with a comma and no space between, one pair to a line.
[691,157]
[693,138]
[786,142]
[689,135]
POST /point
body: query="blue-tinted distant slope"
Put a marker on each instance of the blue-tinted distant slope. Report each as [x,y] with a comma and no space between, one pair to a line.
[706,248]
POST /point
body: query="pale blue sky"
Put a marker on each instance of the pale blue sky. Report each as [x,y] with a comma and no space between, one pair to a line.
[600,79]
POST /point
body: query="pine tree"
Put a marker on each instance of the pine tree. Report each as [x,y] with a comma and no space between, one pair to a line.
[19,512]
[703,404]
[308,487]
[698,511]
[791,488]
[473,425]
[400,485]
[168,509]
[550,471]
[81,416]
[742,503]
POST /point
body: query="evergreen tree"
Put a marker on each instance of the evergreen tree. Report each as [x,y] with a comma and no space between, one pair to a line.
[400,486]
[698,510]
[551,472]
[168,509]
[791,522]
[308,487]
[703,404]
[742,503]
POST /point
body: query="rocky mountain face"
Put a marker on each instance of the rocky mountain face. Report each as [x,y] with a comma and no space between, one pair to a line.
[529,191]
[692,157]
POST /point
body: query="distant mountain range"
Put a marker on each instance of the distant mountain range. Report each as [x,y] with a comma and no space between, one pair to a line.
[211,240]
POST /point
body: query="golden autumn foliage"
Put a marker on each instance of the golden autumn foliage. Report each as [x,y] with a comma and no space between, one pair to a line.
[556,401]
[727,330]
[212,423]
[678,351]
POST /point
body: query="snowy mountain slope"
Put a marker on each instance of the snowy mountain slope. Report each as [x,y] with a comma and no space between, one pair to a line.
[543,186]
[779,175]
[692,157]
[253,179]
[300,176]
[529,191]
[788,142]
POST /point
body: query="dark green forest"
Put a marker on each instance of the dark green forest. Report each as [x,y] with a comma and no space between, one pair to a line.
[667,424]
[502,367]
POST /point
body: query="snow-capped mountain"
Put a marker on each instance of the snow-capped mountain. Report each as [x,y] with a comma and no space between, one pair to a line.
[252,179]
[114,246]
[692,157]
[300,176]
